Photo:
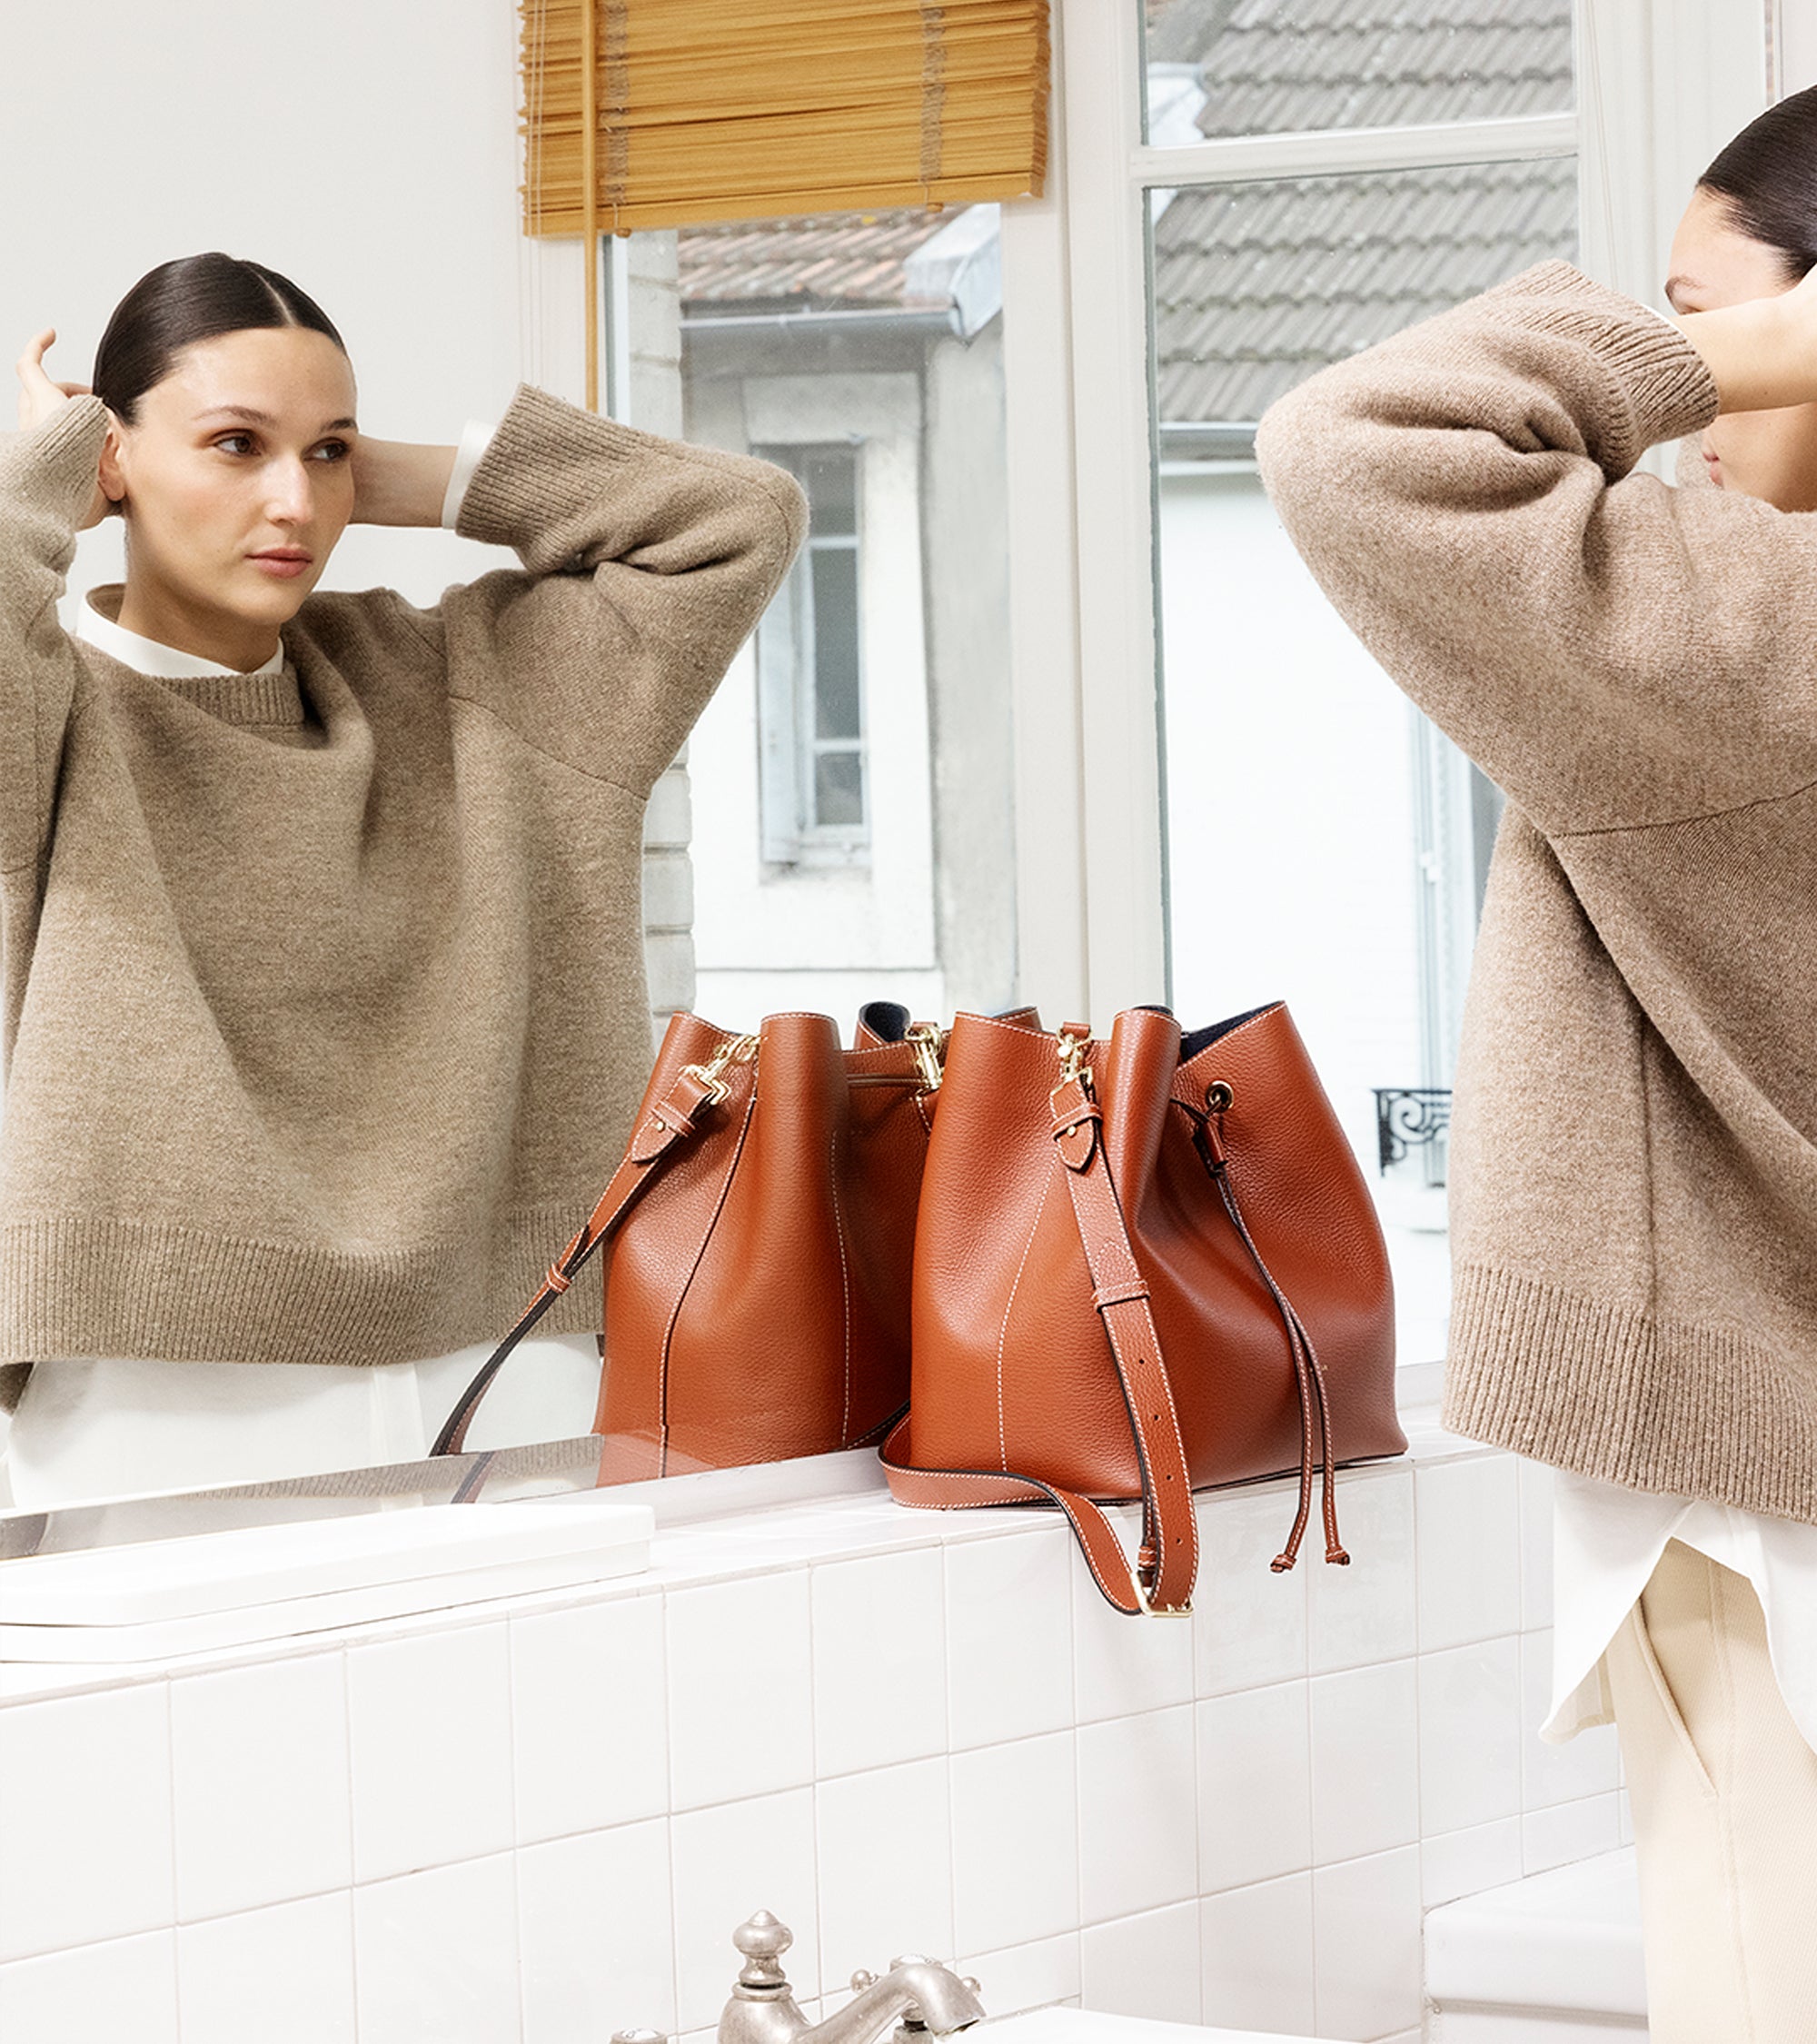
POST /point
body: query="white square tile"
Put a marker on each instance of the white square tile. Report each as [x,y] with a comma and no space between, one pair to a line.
[1009,1635]
[741,1688]
[429,1727]
[1365,1761]
[94,1995]
[595,1934]
[1123,1665]
[282,1975]
[1536,1510]
[1255,1944]
[1370,1972]
[589,1726]
[1026,1977]
[1028,1792]
[85,1820]
[886,1868]
[879,1660]
[1455,1863]
[1587,1765]
[1146,1966]
[1249,1624]
[258,1764]
[1364,1613]
[1138,1814]
[1467,1531]
[1470,1735]
[435,1956]
[1568,1832]
[1254,1786]
[729,1862]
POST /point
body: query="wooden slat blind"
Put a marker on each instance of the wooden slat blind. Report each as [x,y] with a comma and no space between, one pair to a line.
[712,110]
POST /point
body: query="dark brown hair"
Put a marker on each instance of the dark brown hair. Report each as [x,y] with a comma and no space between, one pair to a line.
[193,298]
[1768,175]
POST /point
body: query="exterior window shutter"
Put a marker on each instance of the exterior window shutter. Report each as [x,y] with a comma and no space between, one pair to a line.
[661,112]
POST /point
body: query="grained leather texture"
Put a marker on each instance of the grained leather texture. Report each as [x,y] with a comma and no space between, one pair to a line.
[1013,1369]
[757,1298]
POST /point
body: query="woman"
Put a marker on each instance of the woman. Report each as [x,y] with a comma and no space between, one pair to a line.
[324,1003]
[1634,1151]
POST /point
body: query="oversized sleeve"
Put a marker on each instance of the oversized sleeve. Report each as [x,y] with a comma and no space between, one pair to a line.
[646,562]
[1611,649]
[46,481]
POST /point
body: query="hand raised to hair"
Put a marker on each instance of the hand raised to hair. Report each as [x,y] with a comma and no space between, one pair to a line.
[1762,353]
[41,398]
[399,481]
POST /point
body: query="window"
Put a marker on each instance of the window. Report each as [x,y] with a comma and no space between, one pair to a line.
[810,674]
[853,818]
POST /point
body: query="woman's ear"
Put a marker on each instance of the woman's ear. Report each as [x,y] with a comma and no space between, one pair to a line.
[112,476]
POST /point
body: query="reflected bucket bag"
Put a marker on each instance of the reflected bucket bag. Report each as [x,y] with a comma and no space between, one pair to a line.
[762,1230]
[1142,1266]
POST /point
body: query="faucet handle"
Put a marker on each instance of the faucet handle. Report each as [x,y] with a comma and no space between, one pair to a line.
[862,1979]
[762,1940]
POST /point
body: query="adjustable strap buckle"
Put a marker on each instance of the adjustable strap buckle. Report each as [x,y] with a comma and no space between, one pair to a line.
[1152,1608]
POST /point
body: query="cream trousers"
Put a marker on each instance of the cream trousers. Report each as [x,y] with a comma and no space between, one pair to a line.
[1723,1792]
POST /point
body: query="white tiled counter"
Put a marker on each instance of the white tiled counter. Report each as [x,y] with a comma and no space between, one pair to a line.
[540,1819]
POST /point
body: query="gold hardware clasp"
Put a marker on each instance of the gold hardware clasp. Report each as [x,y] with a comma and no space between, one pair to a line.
[931,1050]
[734,1050]
[1072,1040]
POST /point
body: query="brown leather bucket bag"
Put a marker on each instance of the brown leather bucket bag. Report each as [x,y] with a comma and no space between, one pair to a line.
[762,1228]
[1142,1266]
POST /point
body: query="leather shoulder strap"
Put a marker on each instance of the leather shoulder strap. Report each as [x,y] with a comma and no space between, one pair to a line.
[1168,1561]
[669,1123]
[1161,1582]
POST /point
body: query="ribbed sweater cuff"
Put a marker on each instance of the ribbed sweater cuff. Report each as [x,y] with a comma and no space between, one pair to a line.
[1667,383]
[1660,1405]
[541,464]
[56,463]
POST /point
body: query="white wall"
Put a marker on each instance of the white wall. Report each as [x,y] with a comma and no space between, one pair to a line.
[365,148]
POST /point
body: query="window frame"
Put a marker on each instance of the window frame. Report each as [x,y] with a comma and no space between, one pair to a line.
[1091,880]
[788,677]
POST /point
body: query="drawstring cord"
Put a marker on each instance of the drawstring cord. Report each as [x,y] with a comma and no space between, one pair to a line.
[1308,1378]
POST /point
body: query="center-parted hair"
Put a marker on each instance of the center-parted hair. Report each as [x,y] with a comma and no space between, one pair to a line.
[1768,174]
[193,298]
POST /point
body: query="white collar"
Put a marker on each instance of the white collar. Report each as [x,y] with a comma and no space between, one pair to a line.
[151,656]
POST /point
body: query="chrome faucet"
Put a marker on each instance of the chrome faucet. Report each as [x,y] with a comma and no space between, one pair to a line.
[931,2000]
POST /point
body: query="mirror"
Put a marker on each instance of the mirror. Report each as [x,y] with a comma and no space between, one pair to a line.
[840,831]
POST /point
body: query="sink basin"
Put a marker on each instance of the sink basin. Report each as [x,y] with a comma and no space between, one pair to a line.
[1086,2026]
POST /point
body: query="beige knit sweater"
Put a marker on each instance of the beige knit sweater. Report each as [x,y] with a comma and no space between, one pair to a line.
[1633,1201]
[324,1006]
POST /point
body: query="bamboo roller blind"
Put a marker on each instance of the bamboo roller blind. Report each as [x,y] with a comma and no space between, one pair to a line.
[750,109]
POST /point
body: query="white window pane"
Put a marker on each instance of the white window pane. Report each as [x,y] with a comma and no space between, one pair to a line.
[1280,67]
[1324,844]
